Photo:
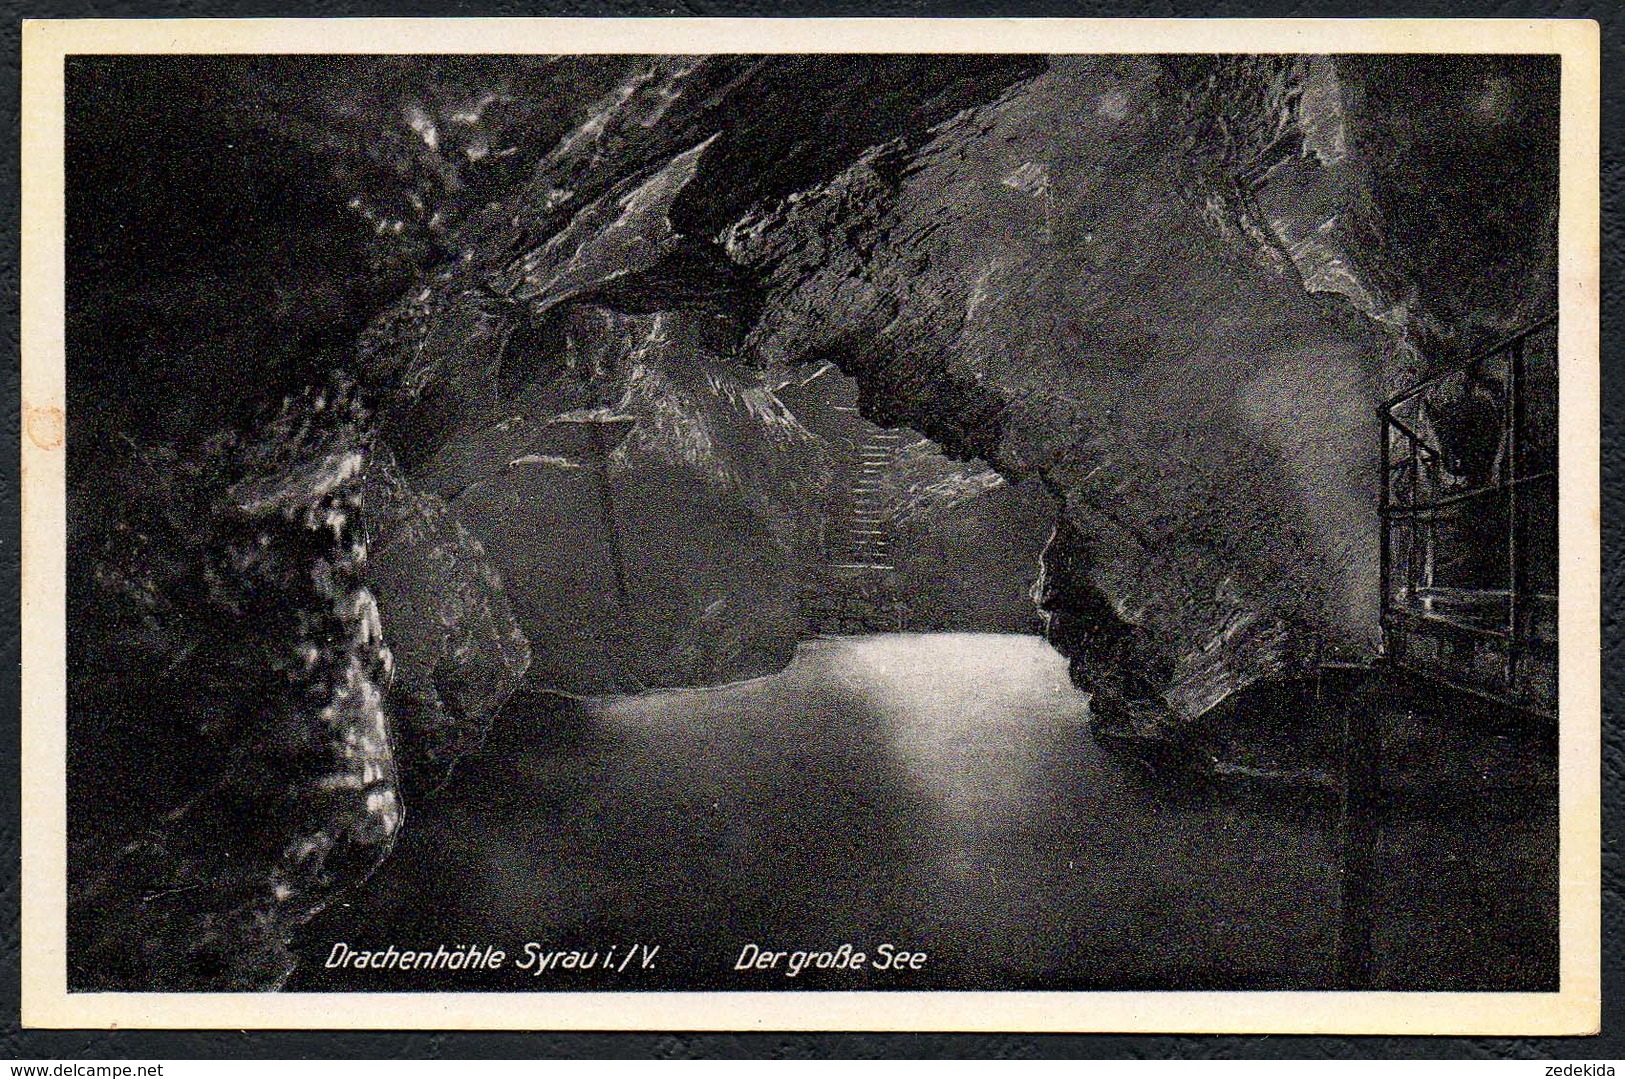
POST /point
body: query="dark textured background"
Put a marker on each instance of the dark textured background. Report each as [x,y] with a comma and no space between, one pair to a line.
[144,1044]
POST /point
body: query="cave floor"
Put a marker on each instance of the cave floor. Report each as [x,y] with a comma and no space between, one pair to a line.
[940,793]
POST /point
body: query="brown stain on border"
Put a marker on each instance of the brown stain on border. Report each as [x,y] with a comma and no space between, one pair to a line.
[46,426]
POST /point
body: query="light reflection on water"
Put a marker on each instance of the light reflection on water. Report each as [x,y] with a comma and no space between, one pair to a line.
[969,716]
[940,790]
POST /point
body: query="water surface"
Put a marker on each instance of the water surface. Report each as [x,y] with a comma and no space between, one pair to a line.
[939,792]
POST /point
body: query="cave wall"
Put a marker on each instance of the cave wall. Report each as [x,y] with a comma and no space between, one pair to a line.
[650,509]
[966,543]
[1167,292]
[249,425]
[1103,280]
[458,651]
[671,550]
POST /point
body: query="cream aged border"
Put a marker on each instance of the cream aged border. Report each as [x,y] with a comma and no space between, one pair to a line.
[1574,1009]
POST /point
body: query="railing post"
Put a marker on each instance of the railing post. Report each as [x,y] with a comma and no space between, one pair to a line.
[1384,553]
[1515,531]
[1423,526]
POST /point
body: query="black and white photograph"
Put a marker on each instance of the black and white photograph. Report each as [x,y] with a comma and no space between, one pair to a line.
[822,521]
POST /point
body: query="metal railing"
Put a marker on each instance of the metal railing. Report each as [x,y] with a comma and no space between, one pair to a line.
[1467,472]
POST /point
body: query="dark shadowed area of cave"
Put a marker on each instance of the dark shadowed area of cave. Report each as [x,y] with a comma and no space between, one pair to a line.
[1090,520]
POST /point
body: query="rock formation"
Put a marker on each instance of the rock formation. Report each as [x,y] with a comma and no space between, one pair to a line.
[1167,293]
[1176,291]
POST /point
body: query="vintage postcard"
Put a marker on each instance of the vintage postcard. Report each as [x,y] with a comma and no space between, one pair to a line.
[811,524]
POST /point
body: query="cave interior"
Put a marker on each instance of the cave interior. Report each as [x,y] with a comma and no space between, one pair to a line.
[1091,519]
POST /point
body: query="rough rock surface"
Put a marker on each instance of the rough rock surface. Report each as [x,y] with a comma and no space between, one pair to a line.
[458,651]
[1170,292]
[1084,281]
[271,780]
[511,196]
[966,543]
[573,375]
[648,508]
